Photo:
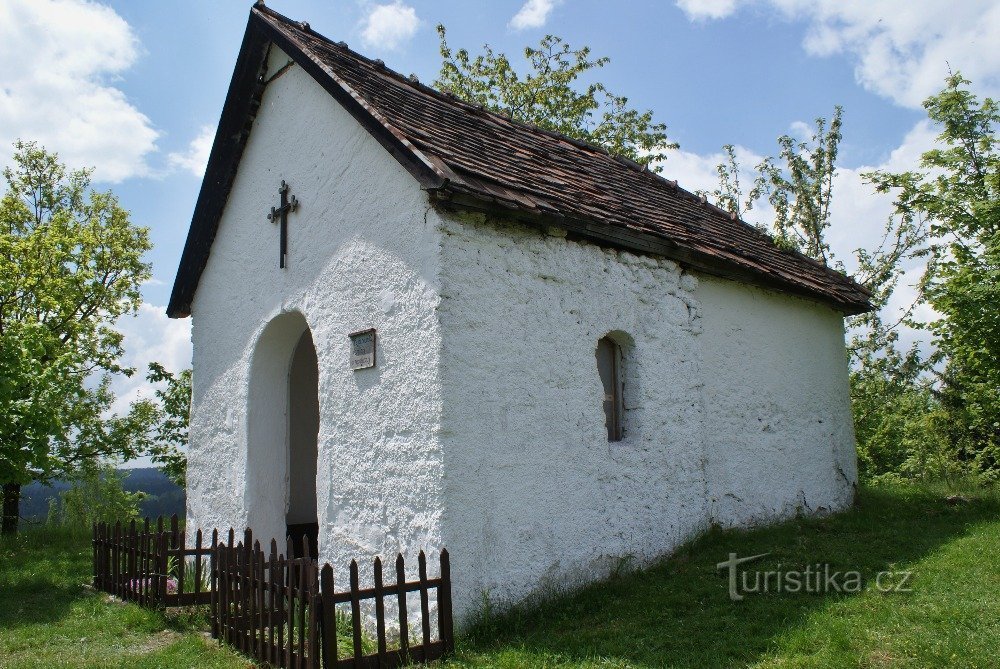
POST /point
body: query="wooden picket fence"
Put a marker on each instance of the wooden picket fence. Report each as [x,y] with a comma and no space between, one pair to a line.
[283,611]
[150,565]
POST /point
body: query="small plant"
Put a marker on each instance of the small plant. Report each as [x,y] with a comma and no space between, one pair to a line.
[190,576]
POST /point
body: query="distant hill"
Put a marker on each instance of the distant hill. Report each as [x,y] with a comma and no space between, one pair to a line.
[163,497]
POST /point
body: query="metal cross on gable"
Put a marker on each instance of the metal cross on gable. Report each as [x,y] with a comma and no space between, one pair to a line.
[279,215]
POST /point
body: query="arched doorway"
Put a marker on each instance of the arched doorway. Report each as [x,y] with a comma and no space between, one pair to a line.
[301,519]
[282,431]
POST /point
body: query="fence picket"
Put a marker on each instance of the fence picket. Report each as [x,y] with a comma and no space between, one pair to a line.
[329,618]
[115,562]
[356,612]
[289,599]
[177,544]
[214,576]
[404,621]
[425,615]
[312,592]
[446,624]
[303,569]
[379,610]
[277,620]
[197,565]
[146,560]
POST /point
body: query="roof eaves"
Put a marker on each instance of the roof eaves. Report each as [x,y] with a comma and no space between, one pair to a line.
[459,197]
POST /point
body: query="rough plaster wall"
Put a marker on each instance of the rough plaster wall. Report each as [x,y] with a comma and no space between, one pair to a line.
[363,252]
[534,490]
[779,437]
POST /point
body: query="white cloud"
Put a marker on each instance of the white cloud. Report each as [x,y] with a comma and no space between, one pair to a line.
[901,51]
[57,58]
[533,14]
[707,9]
[389,26]
[150,336]
[195,157]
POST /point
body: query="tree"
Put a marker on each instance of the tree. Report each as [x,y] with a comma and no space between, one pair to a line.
[958,191]
[70,265]
[547,97]
[170,416]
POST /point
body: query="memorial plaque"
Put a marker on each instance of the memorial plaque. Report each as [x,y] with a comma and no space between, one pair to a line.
[363,349]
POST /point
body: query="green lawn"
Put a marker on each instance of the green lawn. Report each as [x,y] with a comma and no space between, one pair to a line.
[676,614]
[48,618]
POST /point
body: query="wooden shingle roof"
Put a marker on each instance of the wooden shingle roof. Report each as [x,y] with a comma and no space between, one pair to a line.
[471,159]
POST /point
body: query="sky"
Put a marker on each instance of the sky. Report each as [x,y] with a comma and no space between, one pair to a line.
[135,90]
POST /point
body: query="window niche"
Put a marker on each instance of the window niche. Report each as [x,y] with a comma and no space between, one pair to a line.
[611,369]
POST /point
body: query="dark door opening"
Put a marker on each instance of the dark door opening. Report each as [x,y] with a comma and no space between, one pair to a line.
[303,432]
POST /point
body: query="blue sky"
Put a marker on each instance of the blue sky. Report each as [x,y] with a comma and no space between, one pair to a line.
[135,88]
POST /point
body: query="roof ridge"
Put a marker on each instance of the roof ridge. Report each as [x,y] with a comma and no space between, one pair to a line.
[449,96]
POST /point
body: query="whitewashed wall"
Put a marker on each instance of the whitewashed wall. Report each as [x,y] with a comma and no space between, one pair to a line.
[779,437]
[363,253]
[534,490]
[736,408]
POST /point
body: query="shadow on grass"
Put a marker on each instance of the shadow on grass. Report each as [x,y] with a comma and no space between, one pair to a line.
[42,573]
[679,613]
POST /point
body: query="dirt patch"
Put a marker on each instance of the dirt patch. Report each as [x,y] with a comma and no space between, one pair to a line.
[156,641]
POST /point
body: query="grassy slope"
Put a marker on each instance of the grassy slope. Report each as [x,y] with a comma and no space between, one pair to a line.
[678,613]
[674,614]
[49,619]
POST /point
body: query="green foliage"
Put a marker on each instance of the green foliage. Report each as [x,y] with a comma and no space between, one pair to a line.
[169,415]
[729,195]
[798,184]
[958,193]
[549,98]
[98,495]
[802,189]
[70,264]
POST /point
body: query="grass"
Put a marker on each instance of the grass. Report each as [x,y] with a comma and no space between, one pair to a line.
[678,613]
[674,614]
[49,618]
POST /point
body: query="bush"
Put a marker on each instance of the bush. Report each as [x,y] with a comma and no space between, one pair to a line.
[98,495]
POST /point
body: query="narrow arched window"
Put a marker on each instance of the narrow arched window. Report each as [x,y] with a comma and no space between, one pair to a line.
[609,367]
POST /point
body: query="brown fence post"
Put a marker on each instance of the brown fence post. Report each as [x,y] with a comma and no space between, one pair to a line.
[177,544]
[259,599]
[379,611]
[161,591]
[116,559]
[130,561]
[274,607]
[425,614]
[314,604]
[328,618]
[356,612]
[213,570]
[289,599]
[446,623]
[404,620]
[303,569]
